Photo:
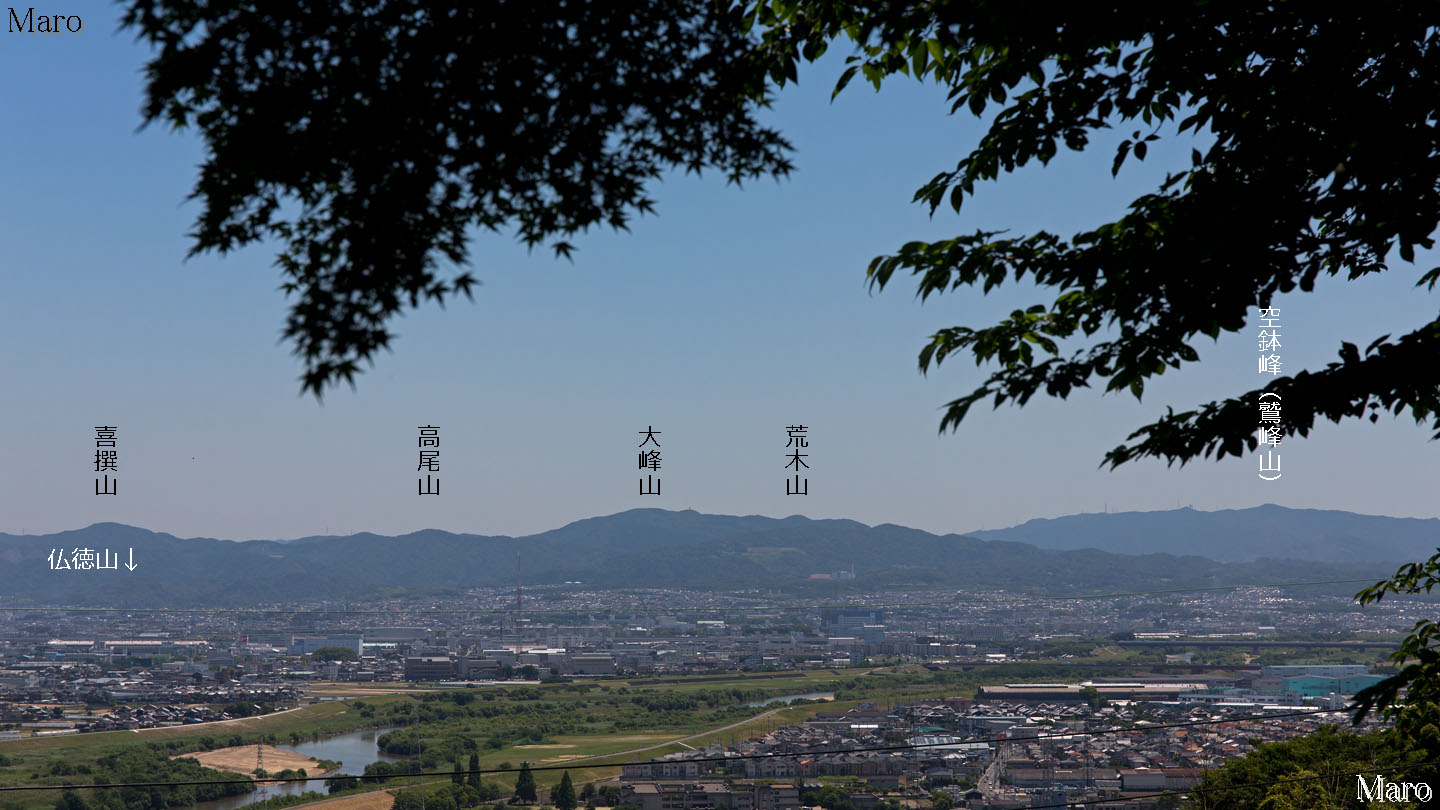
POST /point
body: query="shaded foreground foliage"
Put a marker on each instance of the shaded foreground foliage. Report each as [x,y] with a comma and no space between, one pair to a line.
[1409,752]
[1316,157]
[368,138]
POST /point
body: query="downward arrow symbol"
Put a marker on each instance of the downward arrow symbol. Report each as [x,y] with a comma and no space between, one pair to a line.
[131,564]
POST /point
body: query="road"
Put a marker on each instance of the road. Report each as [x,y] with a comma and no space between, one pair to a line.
[989,783]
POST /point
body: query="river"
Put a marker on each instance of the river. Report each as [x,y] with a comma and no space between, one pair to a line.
[353,751]
[357,749]
[788,698]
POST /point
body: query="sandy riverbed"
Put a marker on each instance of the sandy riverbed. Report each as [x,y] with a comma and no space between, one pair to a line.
[241,759]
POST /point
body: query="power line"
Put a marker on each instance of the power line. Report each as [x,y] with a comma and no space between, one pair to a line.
[908,747]
[1080,803]
[773,755]
[742,609]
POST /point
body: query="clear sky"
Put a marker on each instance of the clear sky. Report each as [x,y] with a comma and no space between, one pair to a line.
[726,317]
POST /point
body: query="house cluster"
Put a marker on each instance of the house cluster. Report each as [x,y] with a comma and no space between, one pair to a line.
[711,795]
[151,716]
[986,754]
[32,694]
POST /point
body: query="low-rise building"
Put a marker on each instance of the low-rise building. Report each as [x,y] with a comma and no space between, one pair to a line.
[710,795]
[428,668]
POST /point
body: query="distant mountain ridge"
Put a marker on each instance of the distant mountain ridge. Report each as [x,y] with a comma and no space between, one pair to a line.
[1236,535]
[640,548]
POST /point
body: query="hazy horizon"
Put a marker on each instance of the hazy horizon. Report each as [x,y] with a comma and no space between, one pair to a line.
[961,532]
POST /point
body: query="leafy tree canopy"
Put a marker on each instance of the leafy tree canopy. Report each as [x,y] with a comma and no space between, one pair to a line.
[334,654]
[1316,158]
[1316,771]
[1419,661]
[367,137]
[474,780]
[525,784]
[563,796]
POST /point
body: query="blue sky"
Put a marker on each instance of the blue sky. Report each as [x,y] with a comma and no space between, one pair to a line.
[726,317]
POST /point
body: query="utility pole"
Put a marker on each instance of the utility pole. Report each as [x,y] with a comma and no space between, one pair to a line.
[518,601]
